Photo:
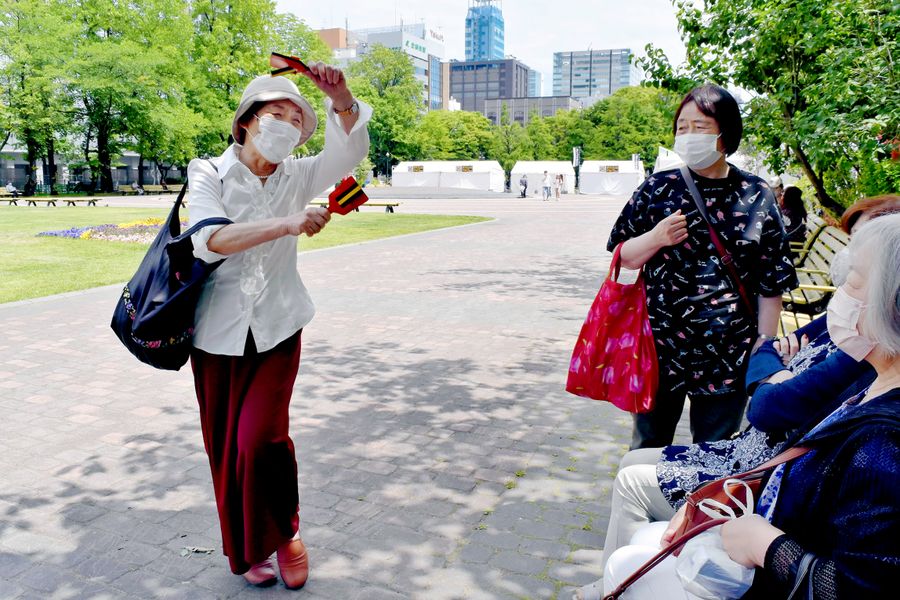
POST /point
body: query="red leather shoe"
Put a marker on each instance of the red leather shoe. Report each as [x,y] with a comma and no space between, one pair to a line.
[261,574]
[293,564]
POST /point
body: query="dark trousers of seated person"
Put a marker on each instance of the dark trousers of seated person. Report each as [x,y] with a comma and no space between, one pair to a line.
[244,403]
[712,418]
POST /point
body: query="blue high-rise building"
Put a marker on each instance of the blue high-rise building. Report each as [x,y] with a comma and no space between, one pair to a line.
[484,31]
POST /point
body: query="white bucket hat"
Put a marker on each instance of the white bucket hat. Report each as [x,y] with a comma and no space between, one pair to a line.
[266,89]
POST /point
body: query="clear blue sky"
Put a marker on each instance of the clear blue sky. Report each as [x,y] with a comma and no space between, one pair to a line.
[535,29]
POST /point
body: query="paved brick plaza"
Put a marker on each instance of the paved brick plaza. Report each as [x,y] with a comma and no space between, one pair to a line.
[440,456]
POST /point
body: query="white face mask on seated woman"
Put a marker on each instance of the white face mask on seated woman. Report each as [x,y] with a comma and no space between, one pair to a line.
[275,140]
[698,150]
[843,325]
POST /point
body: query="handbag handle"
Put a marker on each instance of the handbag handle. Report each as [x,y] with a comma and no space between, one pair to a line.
[616,264]
[661,556]
[724,255]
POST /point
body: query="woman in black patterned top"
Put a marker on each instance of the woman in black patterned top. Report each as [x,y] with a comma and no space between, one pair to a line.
[703,329]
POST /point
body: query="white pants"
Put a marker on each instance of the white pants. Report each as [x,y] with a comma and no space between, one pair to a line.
[636,499]
[660,582]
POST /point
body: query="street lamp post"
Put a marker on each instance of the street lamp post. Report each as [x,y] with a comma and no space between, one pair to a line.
[387,166]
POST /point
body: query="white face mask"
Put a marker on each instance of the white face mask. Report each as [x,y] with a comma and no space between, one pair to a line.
[275,140]
[843,325]
[698,150]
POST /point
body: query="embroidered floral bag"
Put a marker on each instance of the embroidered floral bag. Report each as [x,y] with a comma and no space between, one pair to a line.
[154,317]
[615,357]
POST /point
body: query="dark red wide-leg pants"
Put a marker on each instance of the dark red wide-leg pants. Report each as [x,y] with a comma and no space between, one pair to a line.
[244,404]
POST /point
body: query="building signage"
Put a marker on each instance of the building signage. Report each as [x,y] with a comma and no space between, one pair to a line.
[464,168]
[414,48]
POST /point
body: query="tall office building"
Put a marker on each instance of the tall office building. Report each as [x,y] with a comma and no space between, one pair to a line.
[593,74]
[474,81]
[484,31]
[423,45]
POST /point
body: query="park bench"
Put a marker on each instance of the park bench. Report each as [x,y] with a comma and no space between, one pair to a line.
[33,200]
[7,195]
[161,189]
[388,206]
[812,263]
[73,200]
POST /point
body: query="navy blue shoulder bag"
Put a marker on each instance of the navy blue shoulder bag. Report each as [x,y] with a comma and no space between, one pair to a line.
[154,317]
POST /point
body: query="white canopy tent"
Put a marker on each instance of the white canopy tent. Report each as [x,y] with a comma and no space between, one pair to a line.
[534,169]
[484,175]
[666,159]
[610,177]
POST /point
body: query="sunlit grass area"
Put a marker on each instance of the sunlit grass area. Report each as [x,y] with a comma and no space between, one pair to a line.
[33,266]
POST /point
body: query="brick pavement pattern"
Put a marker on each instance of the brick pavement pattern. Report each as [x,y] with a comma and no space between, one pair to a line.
[439,454]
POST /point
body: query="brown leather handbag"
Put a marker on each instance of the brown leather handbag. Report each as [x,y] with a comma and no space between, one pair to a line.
[726,489]
[697,521]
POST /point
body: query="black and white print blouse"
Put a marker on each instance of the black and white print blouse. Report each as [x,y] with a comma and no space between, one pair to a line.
[703,331]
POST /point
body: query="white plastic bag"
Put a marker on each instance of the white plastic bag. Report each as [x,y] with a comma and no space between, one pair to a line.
[706,570]
[703,566]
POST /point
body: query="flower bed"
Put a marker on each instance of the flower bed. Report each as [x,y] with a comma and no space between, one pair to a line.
[140,232]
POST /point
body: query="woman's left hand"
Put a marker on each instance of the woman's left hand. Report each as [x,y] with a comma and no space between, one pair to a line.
[331,81]
[746,539]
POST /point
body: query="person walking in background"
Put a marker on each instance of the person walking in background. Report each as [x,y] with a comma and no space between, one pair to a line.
[557,186]
[547,184]
[253,308]
[523,185]
[702,326]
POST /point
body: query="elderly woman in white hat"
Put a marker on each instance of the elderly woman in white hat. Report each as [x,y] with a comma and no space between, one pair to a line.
[254,307]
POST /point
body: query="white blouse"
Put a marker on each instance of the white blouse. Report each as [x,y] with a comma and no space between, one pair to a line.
[260,289]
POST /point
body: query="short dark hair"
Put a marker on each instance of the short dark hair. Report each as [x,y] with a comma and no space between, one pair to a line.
[792,203]
[247,117]
[714,101]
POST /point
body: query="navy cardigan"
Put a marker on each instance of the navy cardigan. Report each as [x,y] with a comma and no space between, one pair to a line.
[841,502]
[810,396]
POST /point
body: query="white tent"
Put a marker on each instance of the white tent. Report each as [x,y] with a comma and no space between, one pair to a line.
[534,169]
[666,159]
[484,175]
[610,177]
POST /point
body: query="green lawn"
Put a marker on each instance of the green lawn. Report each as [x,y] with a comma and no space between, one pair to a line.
[32,266]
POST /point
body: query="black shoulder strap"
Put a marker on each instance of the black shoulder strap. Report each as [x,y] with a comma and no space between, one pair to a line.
[724,254]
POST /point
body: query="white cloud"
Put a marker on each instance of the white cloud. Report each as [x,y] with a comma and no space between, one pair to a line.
[535,29]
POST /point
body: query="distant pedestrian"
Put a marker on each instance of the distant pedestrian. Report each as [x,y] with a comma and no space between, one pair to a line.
[547,185]
[557,186]
[12,189]
[137,188]
[254,307]
[523,185]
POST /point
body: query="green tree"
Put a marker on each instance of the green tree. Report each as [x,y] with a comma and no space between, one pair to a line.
[539,137]
[385,79]
[634,120]
[510,143]
[231,45]
[823,76]
[34,38]
[456,135]
[568,129]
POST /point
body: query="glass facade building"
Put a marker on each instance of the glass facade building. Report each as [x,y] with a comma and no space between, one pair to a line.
[593,74]
[484,31]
